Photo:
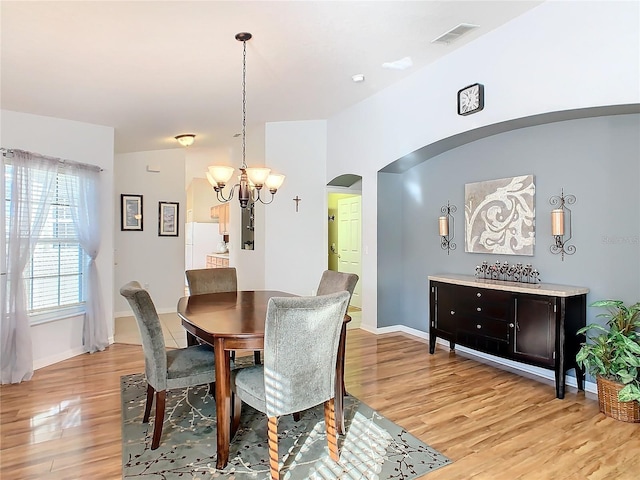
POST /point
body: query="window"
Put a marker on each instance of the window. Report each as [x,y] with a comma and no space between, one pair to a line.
[54,275]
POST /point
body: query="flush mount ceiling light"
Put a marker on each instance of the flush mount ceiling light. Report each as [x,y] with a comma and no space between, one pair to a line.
[251,179]
[357,78]
[186,139]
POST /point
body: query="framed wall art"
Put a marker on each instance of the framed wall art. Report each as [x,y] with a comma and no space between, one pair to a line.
[500,216]
[168,219]
[130,212]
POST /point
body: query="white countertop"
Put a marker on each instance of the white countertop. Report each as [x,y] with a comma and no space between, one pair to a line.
[218,255]
[532,288]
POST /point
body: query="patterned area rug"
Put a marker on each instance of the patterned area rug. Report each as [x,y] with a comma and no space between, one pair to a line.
[373,448]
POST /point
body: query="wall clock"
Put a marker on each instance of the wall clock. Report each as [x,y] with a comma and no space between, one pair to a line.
[470,99]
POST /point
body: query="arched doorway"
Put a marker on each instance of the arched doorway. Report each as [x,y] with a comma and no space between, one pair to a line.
[344,239]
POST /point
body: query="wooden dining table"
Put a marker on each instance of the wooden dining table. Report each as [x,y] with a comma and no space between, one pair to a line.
[235,321]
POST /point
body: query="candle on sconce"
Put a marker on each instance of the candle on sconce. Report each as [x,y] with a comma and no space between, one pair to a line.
[557,222]
[443,223]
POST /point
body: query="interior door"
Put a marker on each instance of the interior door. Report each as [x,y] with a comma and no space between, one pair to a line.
[350,241]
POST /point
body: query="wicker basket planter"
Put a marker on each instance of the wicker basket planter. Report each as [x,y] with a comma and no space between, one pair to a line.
[611,407]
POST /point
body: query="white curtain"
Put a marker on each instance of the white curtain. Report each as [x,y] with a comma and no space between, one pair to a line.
[32,182]
[83,185]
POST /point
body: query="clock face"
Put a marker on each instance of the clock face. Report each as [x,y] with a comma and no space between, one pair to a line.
[471,99]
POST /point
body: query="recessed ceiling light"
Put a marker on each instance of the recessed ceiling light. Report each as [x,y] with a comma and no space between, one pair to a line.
[358,78]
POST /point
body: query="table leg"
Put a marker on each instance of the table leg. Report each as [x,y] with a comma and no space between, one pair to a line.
[340,388]
[223,402]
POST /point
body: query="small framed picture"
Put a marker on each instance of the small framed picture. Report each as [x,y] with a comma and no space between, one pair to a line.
[130,212]
[168,219]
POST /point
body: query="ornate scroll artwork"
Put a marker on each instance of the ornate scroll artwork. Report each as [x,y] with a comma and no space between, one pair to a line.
[500,216]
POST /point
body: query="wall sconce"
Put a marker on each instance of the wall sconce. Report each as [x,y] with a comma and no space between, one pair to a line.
[561,224]
[446,227]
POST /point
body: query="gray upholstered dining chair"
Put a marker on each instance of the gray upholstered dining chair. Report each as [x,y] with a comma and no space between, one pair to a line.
[215,280]
[301,339]
[212,280]
[332,282]
[165,369]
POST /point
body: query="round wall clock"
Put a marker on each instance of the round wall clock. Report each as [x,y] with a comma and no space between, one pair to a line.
[470,99]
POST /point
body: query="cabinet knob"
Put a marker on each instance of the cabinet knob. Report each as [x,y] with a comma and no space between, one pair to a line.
[478,326]
[479,294]
[479,309]
[511,325]
[453,312]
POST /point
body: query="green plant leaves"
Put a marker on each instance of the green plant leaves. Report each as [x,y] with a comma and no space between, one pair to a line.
[614,351]
[629,393]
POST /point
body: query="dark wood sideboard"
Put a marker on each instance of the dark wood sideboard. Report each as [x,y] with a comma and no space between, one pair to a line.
[531,323]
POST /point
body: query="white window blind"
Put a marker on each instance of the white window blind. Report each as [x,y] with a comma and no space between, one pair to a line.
[54,275]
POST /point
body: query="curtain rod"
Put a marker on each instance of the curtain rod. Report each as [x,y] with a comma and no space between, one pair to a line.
[8,152]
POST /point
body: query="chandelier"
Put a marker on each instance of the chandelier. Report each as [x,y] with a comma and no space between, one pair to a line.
[253,179]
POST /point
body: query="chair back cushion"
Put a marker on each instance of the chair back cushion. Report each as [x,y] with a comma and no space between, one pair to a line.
[212,280]
[332,282]
[300,349]
[155,356]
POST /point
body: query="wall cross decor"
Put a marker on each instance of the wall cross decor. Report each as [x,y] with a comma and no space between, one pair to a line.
[297,200]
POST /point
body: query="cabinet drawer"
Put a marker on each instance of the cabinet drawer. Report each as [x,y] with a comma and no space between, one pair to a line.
[485,327]
[491,310]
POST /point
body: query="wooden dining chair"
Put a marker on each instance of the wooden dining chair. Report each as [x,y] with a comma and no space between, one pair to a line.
[165,369]
[215,280]
[301,339]
[332,282]
[212,280]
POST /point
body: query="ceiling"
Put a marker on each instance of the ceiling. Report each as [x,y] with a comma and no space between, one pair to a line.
[156,69]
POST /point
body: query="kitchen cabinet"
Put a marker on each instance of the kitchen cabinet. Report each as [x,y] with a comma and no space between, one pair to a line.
[221,213]
[529,323]
[217,261]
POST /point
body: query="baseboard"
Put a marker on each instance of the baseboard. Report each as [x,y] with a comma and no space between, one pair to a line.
[58,357]
[61,356]
[517,366]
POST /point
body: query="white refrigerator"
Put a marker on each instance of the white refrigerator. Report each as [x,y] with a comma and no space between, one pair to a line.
[201,239]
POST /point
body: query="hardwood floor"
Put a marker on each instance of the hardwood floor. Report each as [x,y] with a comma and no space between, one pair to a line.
[65,423]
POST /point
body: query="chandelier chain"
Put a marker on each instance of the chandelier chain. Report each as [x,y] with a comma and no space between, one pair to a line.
[244,103]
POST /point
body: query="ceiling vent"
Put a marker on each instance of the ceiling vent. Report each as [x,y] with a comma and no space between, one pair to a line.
[455,33]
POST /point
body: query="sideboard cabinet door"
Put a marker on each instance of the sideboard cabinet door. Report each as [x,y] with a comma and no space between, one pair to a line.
[534,330]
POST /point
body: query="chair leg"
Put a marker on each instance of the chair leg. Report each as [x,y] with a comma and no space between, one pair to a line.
[236,405]
[330,422]
[147,407]
[273,448]
[256,357]
[157,429]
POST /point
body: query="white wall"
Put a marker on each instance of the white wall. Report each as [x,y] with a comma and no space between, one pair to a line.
[296,242]
[154,261]
[81,142]
[559,56]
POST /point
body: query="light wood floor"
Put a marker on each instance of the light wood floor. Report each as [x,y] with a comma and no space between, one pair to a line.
[65,423]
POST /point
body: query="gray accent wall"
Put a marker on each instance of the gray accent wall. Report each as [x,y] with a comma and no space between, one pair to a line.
[596,159]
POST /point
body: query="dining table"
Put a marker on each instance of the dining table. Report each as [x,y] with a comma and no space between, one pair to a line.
[233,321]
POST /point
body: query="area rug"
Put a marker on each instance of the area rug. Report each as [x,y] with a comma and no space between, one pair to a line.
[373,447]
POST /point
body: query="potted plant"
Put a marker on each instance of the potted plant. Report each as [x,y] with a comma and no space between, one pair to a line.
[613,357]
